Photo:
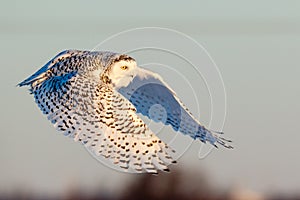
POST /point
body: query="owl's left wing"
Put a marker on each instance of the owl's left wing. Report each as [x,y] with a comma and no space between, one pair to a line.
[153,98]
[93,113]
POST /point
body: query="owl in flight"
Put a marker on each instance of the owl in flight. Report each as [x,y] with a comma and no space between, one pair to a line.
[94,97]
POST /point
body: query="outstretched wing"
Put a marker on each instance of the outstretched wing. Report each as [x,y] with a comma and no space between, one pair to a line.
[40,75]
[153,98]
[99,117]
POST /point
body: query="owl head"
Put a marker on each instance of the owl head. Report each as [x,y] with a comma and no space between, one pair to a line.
[121,71]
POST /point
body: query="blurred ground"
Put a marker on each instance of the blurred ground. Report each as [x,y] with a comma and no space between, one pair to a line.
[176,185]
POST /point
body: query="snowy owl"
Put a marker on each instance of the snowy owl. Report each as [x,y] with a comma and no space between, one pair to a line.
[94,97]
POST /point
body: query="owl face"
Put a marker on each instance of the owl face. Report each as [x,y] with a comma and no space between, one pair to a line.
[122,73]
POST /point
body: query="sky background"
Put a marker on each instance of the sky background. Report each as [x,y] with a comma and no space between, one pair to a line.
[255,45]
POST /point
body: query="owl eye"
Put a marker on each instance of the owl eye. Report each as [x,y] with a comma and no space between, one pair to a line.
[124,67]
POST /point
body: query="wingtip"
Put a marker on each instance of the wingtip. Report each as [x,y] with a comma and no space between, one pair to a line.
[218,132]
[20,84]
[224,144]
[24,83]
[221,140]
[227,146]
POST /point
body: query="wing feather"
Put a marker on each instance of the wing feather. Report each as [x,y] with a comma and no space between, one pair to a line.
[93,113]
[153,98]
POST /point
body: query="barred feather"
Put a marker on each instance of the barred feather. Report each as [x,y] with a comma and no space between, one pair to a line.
[93,113]
[86,98]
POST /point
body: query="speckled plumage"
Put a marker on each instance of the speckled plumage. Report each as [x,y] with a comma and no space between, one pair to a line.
[89,98]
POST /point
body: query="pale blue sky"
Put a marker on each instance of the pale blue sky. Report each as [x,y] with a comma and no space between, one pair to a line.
[255,44]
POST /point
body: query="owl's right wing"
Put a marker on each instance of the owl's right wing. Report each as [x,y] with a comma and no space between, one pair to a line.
[93,113]
[153,98]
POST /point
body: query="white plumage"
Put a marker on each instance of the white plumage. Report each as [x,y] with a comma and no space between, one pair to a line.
[94,97]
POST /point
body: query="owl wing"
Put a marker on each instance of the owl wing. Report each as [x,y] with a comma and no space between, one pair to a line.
[153,98]
[40,74]
[93,113]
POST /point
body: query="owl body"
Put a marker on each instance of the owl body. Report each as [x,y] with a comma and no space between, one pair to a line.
[94,97]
